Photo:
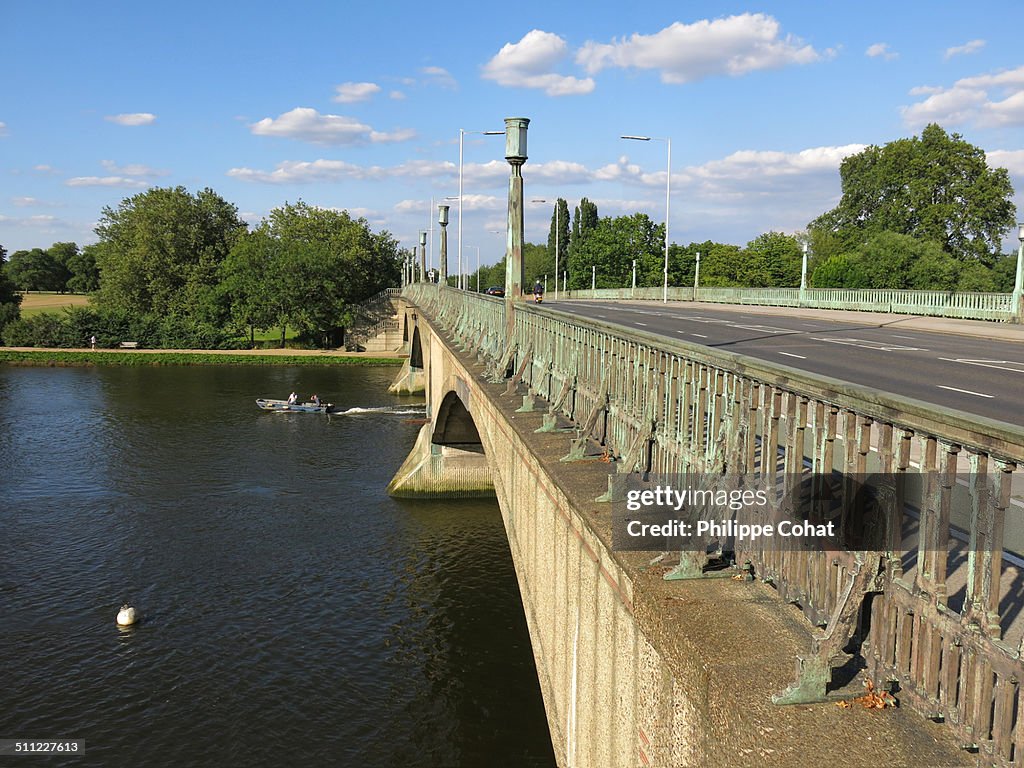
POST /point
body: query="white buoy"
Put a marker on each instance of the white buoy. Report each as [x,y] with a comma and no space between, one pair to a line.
[127,616]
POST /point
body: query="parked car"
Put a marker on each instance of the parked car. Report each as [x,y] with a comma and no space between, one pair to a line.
[495,290]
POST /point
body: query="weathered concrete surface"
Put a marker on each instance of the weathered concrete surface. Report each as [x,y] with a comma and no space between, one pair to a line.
[434,471]
[637,671]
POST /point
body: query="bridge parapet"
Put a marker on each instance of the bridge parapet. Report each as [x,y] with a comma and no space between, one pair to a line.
[934,609]
[959,304]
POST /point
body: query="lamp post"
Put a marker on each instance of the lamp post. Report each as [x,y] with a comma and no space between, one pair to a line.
[803,275]
[634,275]
[696,277]
[668,196]
[462,134]
[423,256]
[477,267]
[442,219]
[1018,280]
[557,232]
[515,154]
[593,280]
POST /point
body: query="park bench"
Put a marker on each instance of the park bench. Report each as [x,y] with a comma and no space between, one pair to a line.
[129,345]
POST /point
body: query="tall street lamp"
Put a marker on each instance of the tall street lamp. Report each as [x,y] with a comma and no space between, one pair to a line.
[442,219]
[557,232]
[462,134]
[668,196]
[1018,280]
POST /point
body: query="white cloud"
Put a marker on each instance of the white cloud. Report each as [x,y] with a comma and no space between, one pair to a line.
[132,169]
[686,53]
[318,171]
[439,76]
[29,221]
[47,170]
[880,50]
[967,48]
[529,64]
[348,93]
[307,124]
[988,100]
[132,118]
[396,95]
[3,129]
[1010,159]
[106,181]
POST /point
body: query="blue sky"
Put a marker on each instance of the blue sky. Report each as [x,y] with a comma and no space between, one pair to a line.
[359,106]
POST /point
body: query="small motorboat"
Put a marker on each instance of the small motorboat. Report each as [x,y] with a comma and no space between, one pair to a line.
[283,406]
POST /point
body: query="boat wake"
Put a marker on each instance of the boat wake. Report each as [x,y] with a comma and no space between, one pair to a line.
[389,409]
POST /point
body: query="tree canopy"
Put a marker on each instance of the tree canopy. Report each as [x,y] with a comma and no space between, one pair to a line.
[935,187]
[307,267]
[160,251]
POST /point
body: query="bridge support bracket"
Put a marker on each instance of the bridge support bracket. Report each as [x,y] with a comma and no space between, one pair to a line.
[528,401]
[614,492]
[551,425]
[577,450]
[813,674]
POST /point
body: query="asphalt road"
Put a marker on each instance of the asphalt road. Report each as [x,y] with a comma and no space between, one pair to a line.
[980,376]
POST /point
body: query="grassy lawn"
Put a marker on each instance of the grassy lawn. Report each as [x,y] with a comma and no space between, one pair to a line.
[37,303]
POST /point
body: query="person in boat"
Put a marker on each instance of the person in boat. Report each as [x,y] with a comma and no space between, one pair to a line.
[293,398]
[315,399]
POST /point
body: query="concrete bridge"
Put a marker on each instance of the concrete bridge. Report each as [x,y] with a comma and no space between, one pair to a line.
[653,657]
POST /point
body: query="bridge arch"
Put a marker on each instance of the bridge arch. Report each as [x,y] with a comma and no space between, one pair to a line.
[454,426]
[416,349]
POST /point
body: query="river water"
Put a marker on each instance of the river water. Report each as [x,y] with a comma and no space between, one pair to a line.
[293,612]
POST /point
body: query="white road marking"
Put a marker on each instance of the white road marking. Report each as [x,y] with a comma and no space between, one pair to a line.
[965,391]
[765,328]
[789,354]
[898,336]
[1001,365]
[699,335]
[643,324]
[876,345]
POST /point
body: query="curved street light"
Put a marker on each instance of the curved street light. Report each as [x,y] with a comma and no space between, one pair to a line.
[462,133]
[668,196]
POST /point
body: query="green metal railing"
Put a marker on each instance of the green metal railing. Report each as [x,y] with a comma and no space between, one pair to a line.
[968,306]
[661,406]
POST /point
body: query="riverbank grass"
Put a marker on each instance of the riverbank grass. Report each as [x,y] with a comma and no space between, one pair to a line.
[73,358]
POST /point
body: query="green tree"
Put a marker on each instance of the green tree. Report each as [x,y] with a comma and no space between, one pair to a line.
[892,260]
[10,301]
[612,245]
[308,267]
[773,261]
[559,220]
[538,262]
[36,270]
[839,271]
[723,265]
[584,221]
[160,252]
[935,187]
[85,276]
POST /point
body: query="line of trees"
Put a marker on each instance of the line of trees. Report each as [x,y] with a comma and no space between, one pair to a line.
[925,212]
[176,269]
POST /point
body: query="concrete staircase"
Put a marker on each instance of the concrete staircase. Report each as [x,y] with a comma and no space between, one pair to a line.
[377,327]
